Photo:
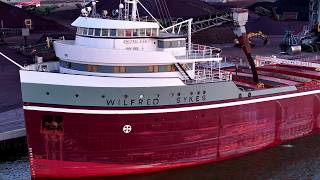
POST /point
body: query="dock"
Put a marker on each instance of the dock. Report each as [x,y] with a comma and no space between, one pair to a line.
[12,125]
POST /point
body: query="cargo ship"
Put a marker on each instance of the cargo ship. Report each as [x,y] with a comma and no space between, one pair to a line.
[129,96]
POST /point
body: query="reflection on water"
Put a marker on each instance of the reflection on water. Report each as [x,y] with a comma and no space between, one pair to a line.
[298,160]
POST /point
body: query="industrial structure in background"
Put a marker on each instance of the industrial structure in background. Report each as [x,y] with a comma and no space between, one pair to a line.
[308,39]
[22,3]
[38,3]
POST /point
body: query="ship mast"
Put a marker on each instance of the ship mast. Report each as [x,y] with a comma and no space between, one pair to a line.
[134,10]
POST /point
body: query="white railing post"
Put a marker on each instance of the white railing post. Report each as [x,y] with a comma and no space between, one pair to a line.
[189,32]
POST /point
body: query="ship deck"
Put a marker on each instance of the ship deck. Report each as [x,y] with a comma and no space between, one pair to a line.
[277,76]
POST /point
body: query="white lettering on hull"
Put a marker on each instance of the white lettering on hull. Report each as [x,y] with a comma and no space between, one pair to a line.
[171,110]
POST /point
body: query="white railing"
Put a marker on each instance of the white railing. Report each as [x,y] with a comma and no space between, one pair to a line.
[198,51]
[210,72]
[306,62]
[203,76]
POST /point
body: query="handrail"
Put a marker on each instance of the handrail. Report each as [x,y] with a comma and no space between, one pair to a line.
[306,62]
[198,51]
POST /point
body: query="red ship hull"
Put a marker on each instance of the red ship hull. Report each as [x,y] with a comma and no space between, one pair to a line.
[95,145]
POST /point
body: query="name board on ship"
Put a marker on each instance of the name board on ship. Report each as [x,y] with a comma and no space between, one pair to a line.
[132,102]
[135,41]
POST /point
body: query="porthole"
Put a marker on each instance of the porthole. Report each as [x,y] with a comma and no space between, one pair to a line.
[47,93]
[178,94]
[191,93]
[240,95]
[125,96]
[204,92]
[141,96]
[249,94]
[198,92]
[77,95]
[103,96]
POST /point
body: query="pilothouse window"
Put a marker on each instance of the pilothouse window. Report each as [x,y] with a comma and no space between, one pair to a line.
[90,32]
[129,32]
[80,30]
[117,32]
[97,32]
[85,31]
[135,32]
[148,33]
[142,32]
[105,32]
[154,32]
[121,32]
[113,32]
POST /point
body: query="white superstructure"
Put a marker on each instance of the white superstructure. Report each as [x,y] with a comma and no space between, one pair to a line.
[129,47]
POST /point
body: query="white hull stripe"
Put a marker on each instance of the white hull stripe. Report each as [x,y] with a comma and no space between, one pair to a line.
[170,110]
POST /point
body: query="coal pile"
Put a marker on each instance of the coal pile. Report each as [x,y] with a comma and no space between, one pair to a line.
[300,6]
[14,17]
[216,35]
[65,17]
[273,27]
[177,8]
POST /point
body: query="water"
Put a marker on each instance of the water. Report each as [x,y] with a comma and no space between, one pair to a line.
[15,170]
[295,160]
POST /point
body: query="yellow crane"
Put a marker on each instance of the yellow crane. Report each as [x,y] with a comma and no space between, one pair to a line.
[254,35]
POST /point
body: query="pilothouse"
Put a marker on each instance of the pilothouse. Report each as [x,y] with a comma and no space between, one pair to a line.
[130,46]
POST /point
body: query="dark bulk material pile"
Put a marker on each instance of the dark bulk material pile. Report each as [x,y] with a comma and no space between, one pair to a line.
[181,9]
[177,8]
[281,6]
[273,27]
[14,17]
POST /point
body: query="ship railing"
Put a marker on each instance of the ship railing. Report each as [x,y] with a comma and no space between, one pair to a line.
[141,18]
[198,51]
[305,62]
[210,72]
[214,76]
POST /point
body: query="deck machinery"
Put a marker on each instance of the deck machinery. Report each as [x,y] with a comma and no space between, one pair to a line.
[309,37]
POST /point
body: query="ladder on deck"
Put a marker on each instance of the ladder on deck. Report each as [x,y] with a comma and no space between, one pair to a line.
[183,72]
[126,10]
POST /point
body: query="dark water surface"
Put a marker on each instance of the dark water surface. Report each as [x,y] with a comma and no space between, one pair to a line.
[298,160]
